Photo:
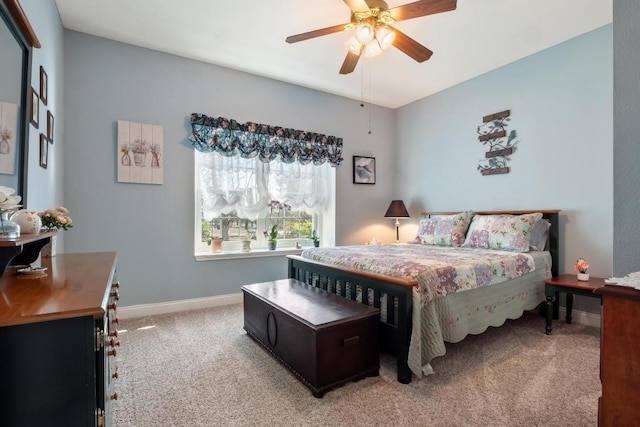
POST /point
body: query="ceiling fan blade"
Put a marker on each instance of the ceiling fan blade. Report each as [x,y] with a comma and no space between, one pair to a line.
[316,33]
[350,62]
[421,8]
[411,47]
[357,5]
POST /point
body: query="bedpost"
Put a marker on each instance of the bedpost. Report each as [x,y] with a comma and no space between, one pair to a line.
[554,241]
[405,315]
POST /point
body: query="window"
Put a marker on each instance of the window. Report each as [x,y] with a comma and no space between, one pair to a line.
[239,198]
[250,177]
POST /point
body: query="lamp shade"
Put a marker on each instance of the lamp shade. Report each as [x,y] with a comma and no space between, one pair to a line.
[397,210]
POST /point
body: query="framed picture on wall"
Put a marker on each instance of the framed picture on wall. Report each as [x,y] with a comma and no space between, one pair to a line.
[35,108]
[44,83]
[44,150]
[364,170]
[50,126]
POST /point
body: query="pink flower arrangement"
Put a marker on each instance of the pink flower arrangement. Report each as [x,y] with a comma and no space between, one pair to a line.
[56,218]
[581,266]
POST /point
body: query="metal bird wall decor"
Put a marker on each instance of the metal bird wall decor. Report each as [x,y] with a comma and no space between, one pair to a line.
[492,132]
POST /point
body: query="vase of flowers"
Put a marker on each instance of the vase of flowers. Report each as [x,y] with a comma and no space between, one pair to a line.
[54,219]
[581,267]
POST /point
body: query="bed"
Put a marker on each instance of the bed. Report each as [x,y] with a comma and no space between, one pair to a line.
[422,309]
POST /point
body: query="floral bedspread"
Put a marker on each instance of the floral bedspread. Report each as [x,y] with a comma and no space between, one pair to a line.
[438,270]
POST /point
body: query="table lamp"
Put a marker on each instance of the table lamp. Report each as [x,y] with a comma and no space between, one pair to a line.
[397,210]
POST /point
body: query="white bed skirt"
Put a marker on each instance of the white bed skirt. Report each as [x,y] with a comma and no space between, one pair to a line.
[457,315]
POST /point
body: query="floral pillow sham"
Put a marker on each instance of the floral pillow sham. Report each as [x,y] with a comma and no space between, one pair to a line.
[502,232]
[445,230]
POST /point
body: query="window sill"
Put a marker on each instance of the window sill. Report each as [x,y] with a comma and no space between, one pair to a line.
[255,253]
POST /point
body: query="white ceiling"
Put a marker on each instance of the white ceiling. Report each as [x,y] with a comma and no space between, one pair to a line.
[248,35]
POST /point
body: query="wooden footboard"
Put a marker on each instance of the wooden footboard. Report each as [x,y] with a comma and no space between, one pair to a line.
[393,296]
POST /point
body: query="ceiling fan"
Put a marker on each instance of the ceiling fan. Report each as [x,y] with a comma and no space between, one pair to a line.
[371,21]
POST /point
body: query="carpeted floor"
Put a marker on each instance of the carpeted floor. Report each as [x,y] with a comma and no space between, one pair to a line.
[199,368]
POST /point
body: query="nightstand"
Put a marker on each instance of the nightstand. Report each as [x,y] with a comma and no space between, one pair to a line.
[569,284]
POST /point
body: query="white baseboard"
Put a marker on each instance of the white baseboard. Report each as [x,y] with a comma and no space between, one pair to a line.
[143,310]
[581,317]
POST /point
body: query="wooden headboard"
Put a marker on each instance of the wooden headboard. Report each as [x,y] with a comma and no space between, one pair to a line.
[551,215]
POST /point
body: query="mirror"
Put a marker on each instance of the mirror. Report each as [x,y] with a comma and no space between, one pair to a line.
[16,40]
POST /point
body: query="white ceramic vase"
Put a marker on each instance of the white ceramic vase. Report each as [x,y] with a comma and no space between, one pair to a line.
[29,221]
[583,277]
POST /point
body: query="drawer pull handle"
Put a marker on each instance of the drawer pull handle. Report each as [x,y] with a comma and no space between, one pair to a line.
[114,396]
[272,330]
[351,342]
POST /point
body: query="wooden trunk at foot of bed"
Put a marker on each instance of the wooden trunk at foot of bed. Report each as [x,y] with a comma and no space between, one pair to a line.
[368,289]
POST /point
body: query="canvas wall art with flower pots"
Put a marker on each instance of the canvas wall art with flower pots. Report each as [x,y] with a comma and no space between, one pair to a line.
[140,149]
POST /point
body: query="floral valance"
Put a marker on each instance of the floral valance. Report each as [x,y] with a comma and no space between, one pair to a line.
[230,138]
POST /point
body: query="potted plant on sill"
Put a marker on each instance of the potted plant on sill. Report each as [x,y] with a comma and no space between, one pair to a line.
[272,237]
[246,241]
[215,242]
[315,238]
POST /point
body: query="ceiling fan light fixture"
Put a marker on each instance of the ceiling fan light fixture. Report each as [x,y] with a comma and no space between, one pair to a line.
[364,33]
[385,36]
[354,45]
[372,48]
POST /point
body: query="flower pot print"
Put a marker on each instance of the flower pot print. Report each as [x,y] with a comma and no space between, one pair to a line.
[155,160]
[139,158]
[126,159]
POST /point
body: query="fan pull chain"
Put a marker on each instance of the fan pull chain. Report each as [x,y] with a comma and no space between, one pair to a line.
[369,100]
[362,86]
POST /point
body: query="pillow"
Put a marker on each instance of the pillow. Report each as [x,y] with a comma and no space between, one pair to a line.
[539,235]
[502,232]
[445,230]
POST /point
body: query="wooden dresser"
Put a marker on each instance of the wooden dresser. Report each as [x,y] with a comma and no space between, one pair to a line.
[620,356]
[58,342]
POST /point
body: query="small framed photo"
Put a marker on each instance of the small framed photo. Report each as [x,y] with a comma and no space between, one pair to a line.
[50,126]
[44,150]
[364,170]
[44,83]
[35,108]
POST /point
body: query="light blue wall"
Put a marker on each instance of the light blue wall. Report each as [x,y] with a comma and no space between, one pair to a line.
[626,160]
[151,226]
[45,186]
[561,103]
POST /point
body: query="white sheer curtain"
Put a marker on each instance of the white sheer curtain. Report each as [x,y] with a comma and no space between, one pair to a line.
[247,185]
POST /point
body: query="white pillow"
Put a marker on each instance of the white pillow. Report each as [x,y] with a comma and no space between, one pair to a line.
[539,235]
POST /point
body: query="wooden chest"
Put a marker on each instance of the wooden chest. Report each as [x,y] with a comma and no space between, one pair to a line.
[324,339]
